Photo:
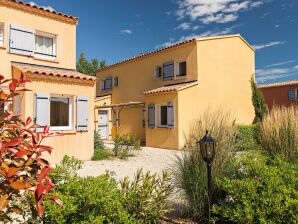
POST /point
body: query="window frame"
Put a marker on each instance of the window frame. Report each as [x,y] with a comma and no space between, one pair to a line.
[177,72]
[115,81]
[2,27]
[295,94]
[158,115]
[163,70]
[55,48]
[70,113]
[155,73]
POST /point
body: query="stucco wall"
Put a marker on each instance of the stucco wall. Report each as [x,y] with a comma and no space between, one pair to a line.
[278,96]
[66,40]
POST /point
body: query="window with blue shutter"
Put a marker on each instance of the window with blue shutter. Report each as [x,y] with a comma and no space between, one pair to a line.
[168,71]
[21,40]
[82,113]
[291,94]
[151,116]
[170,115]
[42,110]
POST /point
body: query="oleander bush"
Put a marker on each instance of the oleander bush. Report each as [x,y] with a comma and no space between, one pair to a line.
[246,137]
[190,170]
[145,197]
[125,145]
[261,189]
[279,132]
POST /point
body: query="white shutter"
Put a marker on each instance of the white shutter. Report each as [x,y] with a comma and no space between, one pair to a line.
[170,115]
[21,40]
[82,113]
[177,72]
[42,110]
[151,116]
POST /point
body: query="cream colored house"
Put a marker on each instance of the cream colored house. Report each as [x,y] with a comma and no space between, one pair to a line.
[158,95]
[41,45]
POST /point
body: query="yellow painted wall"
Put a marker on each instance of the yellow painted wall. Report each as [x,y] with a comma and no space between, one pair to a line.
[136,77]
[167,138]
[72,143]
[66,40]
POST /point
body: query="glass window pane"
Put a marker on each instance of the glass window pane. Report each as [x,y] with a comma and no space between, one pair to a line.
[182,68]
[39,44]
[59,115]
[1,34]
[158,72]
[163,115]
[48,46]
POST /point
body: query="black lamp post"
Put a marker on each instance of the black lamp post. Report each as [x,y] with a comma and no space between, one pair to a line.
[207,146]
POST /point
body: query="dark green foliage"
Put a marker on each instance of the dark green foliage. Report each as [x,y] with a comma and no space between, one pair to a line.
[66,170]
[88,200]
[258,101]
[260,190]
[89,68]
[100,154]
[146,196]
[98,143]
[125,144]
[246,137]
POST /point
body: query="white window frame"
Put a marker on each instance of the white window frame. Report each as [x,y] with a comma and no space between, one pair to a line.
[158,115]
[155,73]
[70,116]
[48,35]
[177,69]
[2,27]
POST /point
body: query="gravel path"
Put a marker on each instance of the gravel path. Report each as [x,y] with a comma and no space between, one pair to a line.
[150,159]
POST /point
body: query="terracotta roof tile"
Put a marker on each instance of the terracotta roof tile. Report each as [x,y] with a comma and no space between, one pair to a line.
[51,71]
[45,10]
[276,84]
[170,88]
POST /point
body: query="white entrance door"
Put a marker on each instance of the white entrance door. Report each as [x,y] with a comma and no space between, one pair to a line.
[103,124]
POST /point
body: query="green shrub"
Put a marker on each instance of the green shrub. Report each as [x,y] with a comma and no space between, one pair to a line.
[258,101]
[100,154]
[89,200]
[246,137]
[125,144]
[190,170]
[98,143]
[279,132]
[146,196]
[260,190]
[66,170]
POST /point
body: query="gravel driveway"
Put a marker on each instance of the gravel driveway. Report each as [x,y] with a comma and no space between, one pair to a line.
[150,159]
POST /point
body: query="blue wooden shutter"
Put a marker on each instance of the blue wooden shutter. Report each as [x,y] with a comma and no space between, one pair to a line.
[170,115]
[151,116]
[42,110]
[168,71]
[291,94]
[82,113]
[109,83]
[21,40]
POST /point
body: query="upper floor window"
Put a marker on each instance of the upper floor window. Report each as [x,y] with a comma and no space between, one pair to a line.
[1,34]
[293,94]
[116,81]
[45,46]
[168,71]
[181,69]
[107,84]
[158,72]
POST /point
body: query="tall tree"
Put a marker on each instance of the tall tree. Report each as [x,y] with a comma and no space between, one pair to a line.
[88,68]
[102,64]
[258,101]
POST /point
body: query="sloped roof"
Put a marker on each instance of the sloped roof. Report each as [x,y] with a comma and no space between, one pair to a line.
[277,84]
[52,71]
[39,10]
[174,45]
[170,88]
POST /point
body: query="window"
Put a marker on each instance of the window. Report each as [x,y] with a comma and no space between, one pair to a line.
[168,71]
[116,81]
[157,72]
[1,34]
[60,112]
[181,69]
[107,84]
[165,116]
[293,94]
[45,46]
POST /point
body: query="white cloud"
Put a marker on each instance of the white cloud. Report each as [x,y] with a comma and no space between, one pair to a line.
[280,63]
[127,31]
[186,26]
[50,8]
[263,75]
[270,44]
[171,41]
[214,11]
[277,25]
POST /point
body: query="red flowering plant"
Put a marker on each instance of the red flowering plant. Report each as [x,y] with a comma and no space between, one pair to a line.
[23,170]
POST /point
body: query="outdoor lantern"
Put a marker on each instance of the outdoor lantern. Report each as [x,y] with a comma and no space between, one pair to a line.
[207,147]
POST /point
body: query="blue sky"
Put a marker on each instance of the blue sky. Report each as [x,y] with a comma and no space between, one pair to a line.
[118,29]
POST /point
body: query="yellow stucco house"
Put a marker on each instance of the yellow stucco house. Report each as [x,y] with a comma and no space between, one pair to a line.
[41,45]
[158,95]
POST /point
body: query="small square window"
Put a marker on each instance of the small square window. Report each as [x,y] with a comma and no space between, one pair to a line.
[60,112]
[116,81]
[157,72]
[45,46]
[163,115]
[1,34]
[182,69]
[291,94]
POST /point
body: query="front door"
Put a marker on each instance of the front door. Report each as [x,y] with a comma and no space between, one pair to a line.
[103,124]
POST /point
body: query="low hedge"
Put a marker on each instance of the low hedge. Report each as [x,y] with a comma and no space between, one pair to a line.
[246,137]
